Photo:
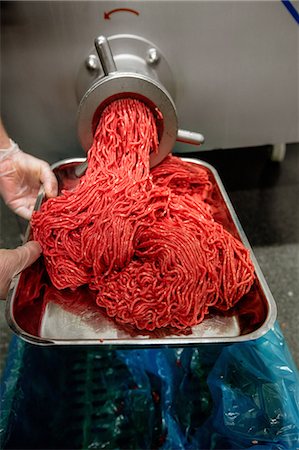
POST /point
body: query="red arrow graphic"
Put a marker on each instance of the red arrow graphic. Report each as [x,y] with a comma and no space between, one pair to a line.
[108,14]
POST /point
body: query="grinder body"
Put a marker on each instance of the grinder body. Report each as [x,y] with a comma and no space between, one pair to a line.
[129,66]
[234,64]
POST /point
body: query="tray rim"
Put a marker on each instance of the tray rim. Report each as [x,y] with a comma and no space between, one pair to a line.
[177,341]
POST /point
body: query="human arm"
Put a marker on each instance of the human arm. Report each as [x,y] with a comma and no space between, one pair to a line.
[21,176]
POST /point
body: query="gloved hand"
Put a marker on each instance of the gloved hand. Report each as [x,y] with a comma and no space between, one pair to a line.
[20,178]
[14,261]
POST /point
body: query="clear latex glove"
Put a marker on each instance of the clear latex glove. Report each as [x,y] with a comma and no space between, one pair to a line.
[14,261]
[21,176]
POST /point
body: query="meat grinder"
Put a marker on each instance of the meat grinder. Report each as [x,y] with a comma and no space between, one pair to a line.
[129,66]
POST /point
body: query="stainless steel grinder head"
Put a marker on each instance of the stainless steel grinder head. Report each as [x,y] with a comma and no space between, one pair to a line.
[135,71]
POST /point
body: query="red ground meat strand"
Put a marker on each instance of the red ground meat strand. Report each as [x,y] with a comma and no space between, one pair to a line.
[145,241]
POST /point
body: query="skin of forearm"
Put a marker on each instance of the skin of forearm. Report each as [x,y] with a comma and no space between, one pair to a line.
[4,139]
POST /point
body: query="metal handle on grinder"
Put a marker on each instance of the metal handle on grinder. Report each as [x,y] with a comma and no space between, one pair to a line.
[190,137]
[105,55]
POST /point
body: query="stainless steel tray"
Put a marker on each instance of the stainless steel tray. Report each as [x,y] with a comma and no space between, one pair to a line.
[72,317]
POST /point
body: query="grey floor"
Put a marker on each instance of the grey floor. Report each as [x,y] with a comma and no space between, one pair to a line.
[266,198]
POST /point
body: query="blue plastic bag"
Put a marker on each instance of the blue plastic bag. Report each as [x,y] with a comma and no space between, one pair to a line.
[241,396]
[255,390]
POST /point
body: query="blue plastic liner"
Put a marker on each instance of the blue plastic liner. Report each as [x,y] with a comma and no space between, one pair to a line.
[240,396]
[255,390]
